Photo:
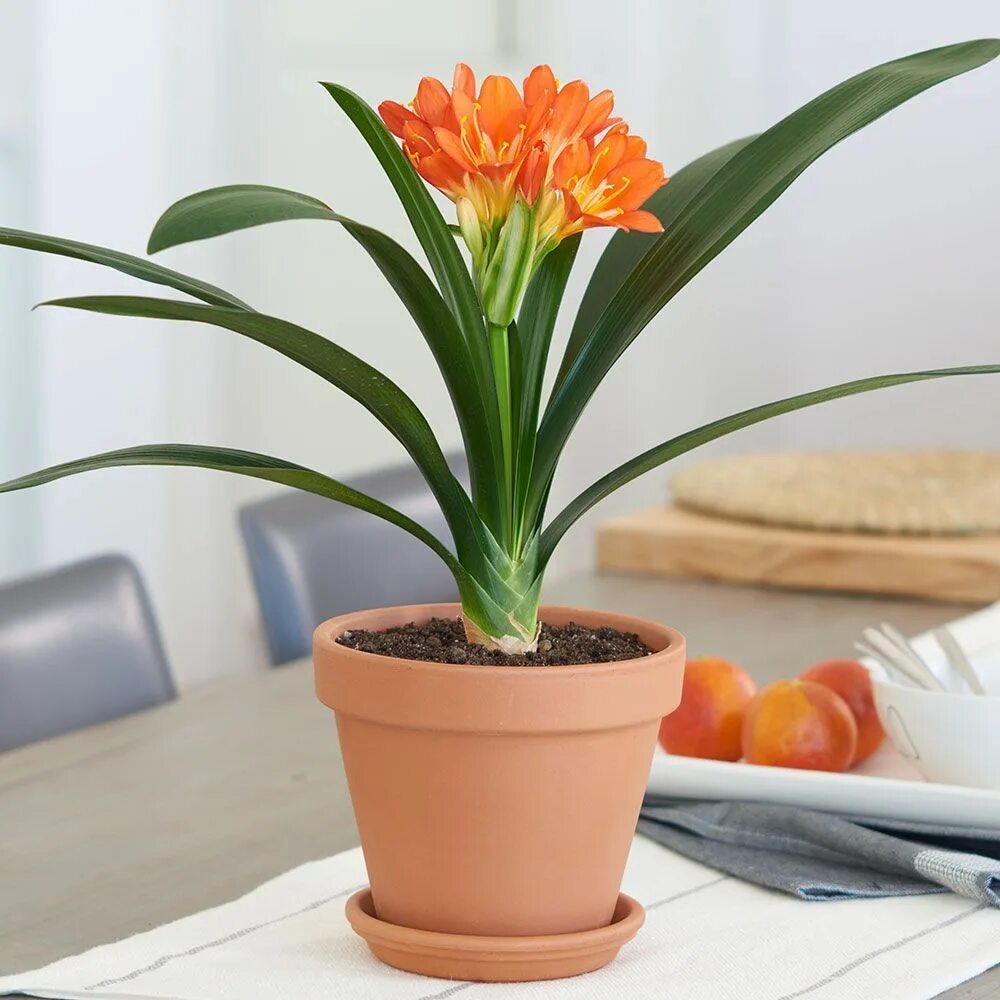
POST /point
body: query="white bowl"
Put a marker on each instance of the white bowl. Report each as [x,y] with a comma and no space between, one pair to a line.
[950,737]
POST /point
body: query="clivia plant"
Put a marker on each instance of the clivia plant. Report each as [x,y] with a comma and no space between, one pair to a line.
[496,805]
[528,172]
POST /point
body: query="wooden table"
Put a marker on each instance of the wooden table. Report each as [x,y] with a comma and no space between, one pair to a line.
[124,826]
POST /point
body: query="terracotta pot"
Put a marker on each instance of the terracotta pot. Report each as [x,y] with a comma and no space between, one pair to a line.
[496,800]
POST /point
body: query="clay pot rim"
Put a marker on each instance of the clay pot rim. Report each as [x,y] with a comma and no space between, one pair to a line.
[660,638]
[460,697]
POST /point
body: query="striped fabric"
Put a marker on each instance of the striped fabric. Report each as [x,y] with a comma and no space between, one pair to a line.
[820,856]
[708,936]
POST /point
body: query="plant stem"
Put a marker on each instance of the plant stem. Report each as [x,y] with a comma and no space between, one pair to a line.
[500,356]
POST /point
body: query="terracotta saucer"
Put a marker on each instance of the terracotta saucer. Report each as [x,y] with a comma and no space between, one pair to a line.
[493,959]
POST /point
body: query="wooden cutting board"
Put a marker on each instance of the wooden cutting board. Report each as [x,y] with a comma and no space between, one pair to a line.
[669,541]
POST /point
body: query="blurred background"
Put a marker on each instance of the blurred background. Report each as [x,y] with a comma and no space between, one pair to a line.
[881,258]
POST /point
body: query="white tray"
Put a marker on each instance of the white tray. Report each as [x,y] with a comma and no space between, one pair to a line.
[886,786]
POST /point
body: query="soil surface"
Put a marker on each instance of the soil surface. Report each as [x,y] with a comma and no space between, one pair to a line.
[442,640]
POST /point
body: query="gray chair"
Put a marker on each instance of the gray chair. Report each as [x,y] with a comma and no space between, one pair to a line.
[78,646]
[313,558]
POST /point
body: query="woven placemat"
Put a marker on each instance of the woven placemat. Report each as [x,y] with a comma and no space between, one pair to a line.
[888,492]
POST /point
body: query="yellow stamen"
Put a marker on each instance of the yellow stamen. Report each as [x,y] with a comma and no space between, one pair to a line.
[603,151]
[427,143]
[464,139]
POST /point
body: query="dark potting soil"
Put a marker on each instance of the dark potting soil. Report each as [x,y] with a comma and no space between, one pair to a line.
[442,640]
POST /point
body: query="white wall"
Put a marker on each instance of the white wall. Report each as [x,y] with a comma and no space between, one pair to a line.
[880,258]
[18,390]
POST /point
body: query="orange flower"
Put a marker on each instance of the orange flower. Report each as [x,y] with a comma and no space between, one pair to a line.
[556,149]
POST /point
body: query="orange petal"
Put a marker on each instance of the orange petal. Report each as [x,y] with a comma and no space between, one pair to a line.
[463,104]
[643,178]
[567,110]
[395,116]
[595,117]
[450,144]
[540,86]
[502,111]
[636,149]
[464,108]
[419,137]
[464,81]
[442,171]
[609,153]
[639,221]
[571,164]
[432,102]
[584,221]
[532,173]
[496,172]
[536,120]
[573,210]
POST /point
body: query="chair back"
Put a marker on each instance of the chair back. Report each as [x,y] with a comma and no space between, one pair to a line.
[312,558]
[78,645]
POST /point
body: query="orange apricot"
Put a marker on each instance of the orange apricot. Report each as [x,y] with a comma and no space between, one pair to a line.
[853,683]
[799,724]
[709,719]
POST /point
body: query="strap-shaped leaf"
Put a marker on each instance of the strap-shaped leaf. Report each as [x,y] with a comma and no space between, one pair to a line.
[625,250]
[368,386]
[477,414]
[243,463]
[535,323]
[433,233]
[228,209]
[135,267]
[478,601]
[737,194]
[428,223]
[655,457]
[221,210]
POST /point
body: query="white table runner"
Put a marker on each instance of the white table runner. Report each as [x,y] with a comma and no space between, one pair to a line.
[706,936]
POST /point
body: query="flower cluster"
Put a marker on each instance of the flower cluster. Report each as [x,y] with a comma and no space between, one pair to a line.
[525,170]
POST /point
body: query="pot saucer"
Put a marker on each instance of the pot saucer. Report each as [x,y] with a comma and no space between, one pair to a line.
[493,959]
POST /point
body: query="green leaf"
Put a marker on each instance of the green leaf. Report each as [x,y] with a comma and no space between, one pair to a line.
[432,232]
[535,324]
[429,225]
[222,210]
[135,267]
[243,463]
[655,457]
[479,601]
[478,421]
[625,250]
[363,383]
[737,194]
[519,348]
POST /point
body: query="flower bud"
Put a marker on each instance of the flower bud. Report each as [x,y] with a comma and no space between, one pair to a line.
[509,269]
[468,223]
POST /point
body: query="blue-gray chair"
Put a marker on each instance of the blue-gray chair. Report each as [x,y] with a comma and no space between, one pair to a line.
[78,645]
[313,558]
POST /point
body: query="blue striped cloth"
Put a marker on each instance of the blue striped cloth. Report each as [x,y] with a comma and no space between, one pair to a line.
[819,856]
